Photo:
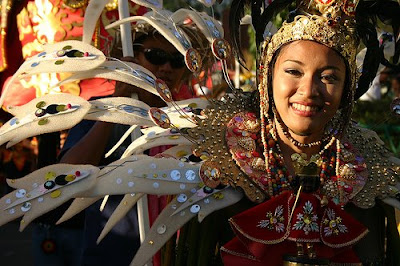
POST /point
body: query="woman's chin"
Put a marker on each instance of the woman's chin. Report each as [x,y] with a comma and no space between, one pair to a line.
[305,131]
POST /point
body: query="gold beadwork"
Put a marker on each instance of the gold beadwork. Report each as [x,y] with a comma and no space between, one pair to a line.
[218,116]
[382,173]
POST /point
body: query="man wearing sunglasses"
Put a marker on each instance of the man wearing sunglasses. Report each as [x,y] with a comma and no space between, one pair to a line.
[158,55]
[88,142]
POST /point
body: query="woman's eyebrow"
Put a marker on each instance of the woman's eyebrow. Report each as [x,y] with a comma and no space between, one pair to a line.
[295,61]
[323,68]
[331,67]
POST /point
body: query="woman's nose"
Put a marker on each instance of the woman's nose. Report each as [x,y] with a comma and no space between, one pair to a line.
[309,86]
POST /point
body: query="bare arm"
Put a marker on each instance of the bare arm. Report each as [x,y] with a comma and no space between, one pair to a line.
[90,149]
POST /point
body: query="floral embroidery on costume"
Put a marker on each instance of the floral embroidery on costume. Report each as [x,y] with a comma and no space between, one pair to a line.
[333,224]
[307,221]
[274,221]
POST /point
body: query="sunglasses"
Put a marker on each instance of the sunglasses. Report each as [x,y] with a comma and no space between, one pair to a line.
[160,57]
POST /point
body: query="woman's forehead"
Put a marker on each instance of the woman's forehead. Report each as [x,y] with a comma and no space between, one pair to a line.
[306,51]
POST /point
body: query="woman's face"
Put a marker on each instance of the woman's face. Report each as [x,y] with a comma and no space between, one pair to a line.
[307,85]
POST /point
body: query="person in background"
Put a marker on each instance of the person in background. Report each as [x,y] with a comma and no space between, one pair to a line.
[88,142]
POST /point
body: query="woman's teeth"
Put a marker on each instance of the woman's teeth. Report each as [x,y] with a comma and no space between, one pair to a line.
[305,108]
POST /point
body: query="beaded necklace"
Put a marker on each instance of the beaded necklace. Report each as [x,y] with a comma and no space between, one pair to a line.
[273,156]
[279,178]
[291,139]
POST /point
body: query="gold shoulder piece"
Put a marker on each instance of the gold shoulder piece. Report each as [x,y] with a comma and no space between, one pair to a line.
[382,169]
[210,143]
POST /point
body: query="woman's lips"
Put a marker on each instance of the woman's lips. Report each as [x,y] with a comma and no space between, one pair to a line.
[306,110]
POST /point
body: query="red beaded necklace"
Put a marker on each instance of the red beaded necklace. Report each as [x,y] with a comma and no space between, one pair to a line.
[278,176]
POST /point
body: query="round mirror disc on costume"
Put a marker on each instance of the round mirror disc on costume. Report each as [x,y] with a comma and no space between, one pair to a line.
[49,184]
[193,60]
[26,206]
[181,198]
[40,112]
[210,174]
[221,49]
[161,229]
[20,193]
[195,208]
[163,90]
[395,106]
[160,118]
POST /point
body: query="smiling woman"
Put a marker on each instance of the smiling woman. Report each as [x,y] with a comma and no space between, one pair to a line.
[307,90]
[302,154]
[315,166]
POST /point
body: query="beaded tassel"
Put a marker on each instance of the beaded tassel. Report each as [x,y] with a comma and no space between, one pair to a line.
[337,170]
[265,146]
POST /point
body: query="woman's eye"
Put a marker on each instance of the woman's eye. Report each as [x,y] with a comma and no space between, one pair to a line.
[293,72]
[329,78]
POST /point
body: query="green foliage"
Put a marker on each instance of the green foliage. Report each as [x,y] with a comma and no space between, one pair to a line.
[377,116]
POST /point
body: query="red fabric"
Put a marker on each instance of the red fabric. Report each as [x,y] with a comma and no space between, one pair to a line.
[19,95]
[184,93]
[11,45]
[238,255]
[247,222]
[96,87]
[265,232]
[356,229]
[242,256]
